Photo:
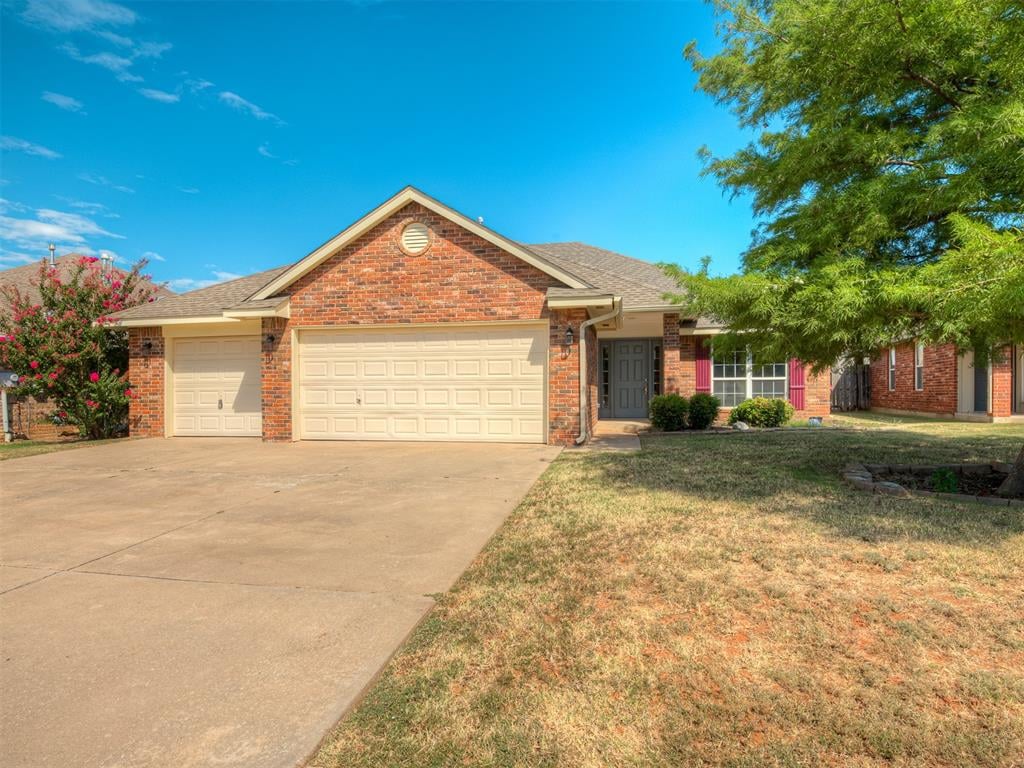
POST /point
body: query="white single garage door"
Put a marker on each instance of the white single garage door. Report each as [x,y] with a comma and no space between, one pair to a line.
[483,383]
[217,386]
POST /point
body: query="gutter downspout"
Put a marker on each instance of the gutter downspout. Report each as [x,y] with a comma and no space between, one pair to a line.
[584,326]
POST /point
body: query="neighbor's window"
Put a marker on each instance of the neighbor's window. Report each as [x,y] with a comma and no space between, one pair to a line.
[892,369]
[734,378]
[919,367]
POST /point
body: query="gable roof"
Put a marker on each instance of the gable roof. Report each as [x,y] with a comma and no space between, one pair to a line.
[584,270]
[396,203]
[25,278]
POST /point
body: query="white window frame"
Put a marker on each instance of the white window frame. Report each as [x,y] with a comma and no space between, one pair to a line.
[919,367]
[749,378]
[892,369]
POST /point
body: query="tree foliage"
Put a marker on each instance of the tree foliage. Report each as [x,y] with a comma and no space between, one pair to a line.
[888,174]
[63,348]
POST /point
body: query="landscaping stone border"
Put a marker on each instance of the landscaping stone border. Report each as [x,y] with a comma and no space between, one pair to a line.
[862,477]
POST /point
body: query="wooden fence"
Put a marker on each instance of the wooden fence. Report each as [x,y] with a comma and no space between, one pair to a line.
[851,387]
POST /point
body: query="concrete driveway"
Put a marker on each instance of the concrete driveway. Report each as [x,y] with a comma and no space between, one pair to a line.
[197,602]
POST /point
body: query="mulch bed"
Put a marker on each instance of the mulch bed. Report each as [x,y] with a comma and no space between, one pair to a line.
[973,482]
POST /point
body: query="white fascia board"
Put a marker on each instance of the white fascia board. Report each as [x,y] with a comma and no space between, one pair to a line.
[377,215]
[582,302]
[159,321]
[281,310]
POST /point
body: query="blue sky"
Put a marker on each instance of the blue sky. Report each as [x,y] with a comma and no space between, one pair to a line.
[225,138]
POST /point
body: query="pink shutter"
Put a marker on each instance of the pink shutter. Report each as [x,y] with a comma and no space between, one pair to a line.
[703,365]
[796,384]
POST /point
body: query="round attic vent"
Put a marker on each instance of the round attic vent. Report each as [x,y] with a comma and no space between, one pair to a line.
[415,237]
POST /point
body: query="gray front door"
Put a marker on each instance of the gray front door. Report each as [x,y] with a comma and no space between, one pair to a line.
[630,379]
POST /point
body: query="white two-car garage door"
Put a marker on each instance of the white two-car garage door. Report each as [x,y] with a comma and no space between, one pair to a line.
[216,385]
[484,383]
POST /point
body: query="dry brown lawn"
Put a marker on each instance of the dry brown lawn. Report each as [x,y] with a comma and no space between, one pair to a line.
[722,600]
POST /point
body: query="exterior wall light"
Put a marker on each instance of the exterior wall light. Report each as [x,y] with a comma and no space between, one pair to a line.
[568,337]
[147,345]
[271,338]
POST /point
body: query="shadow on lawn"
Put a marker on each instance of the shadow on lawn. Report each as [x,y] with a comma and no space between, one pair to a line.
[797,473]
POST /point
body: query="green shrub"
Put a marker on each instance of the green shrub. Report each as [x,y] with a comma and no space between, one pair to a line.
[668,412]
[762,412]
[945,481]
[703,410]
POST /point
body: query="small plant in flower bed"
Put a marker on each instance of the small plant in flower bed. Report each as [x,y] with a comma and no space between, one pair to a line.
[668,412]
[64,349]
[944,481]
[762,412]
[703,410]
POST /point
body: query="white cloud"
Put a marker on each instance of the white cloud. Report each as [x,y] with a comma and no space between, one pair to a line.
[162,96]
[150,50]
[189,190]
[33,233]
[92,209]
[16,257]
[103,181]
[198,85]
[112,62]
[14,144]
[244,105]
[77,15]
[193,284]
[153,256]
[66,103]
[264,149]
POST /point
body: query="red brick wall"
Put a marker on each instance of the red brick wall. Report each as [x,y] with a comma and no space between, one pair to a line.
[939,393]
[459,278]
[146,375]
[1002,384]
[276,379]
[680,372]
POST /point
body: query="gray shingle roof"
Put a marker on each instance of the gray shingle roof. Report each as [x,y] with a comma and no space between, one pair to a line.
[639,283]
[204,302]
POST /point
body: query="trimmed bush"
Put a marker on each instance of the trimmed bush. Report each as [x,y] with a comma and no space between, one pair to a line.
[762,412]
[668,412]
[703,410]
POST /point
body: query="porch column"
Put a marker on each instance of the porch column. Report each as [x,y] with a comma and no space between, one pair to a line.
[679,358]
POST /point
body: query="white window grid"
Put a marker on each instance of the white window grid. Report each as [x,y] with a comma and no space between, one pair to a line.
[892,369]
[919,367]
[735,377]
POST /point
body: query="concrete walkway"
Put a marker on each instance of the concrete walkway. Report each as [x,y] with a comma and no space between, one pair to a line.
[617,436]
[197,602]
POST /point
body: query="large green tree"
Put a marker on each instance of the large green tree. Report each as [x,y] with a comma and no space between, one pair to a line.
[887,175]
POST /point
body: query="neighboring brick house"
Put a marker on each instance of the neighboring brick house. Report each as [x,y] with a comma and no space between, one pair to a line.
[418,323]
[28,417]
[914,378]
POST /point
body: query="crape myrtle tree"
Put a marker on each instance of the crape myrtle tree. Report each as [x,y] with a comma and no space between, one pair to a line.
[887,177]
[63,348]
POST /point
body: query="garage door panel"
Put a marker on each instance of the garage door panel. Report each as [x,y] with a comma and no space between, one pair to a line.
[484,383]
[216,386]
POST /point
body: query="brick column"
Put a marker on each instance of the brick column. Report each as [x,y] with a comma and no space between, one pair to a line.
[679,359]
[276,379]
[146,376]
[564,376]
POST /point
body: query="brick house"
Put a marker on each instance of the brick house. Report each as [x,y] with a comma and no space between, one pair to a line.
[939,380]
[418,323]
